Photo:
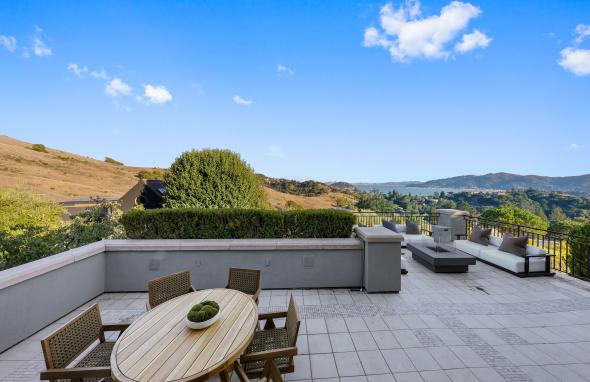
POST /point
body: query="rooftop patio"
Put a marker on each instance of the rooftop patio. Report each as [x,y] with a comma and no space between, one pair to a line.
[484,325]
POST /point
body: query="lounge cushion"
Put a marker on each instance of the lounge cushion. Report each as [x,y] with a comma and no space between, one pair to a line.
[514,245]
[481,236]
[511,262]
[389,224]
[416,238]
[534,251]
[400,228]
[412,228]
[495,241]
[469,247]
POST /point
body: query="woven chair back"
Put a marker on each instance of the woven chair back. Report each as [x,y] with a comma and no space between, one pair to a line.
[244,280]
[168,287]
[69,341]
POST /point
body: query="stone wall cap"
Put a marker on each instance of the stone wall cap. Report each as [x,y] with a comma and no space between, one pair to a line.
[452,211]
[378,234]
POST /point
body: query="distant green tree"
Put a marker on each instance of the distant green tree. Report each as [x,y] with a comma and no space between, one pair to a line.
[579,255]
[293,205]
[154,173]
[557,214]
[213,179]
[113,161]
[20,208]
[39,147]
[514,215]
[374,201]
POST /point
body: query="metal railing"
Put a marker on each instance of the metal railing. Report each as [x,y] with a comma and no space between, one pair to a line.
[372,218]
[572,253]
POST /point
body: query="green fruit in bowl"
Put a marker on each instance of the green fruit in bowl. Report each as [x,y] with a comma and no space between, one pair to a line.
[203,311]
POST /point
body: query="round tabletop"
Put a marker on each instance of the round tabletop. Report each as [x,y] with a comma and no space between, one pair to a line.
[159,347]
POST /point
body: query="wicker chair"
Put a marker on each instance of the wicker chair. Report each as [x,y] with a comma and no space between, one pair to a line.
[271,352]
[67,343]
[245,280]
[168,287]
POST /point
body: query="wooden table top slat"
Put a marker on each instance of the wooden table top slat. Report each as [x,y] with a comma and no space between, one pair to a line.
[191,349]
[151,321]
[159,347]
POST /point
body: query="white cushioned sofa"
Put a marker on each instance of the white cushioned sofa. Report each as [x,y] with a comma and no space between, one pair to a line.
[408,238]
[538,259]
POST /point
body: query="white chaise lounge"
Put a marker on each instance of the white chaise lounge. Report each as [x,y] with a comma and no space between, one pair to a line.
[536,262]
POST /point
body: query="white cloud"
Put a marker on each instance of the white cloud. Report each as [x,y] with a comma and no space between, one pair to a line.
[8,42]
[77,70]
[574,147]
[157,94]
[582,31]
[100,75]
[116,88]
[285,69]
[241,101]
[472,41]
[575,59]
[407,34]
[275,151]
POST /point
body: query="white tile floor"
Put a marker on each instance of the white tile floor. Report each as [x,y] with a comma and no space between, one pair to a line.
[485,325]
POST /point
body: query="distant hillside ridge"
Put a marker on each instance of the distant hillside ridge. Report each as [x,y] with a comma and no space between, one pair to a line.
[64,176]
[579,184]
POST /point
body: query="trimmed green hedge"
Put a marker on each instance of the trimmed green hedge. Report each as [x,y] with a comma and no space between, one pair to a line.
[197,223]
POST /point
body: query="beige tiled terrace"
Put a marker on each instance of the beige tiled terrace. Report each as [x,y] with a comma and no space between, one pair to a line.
[485,325]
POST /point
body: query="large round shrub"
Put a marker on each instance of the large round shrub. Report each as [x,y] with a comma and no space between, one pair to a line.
[212,179]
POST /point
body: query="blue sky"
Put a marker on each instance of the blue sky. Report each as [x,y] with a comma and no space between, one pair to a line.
[353,91]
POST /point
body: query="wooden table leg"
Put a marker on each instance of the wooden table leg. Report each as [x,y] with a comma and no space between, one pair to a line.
[225,376]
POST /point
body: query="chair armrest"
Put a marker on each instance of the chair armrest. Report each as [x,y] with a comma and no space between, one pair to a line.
[269,354]
[76,373]
[271,315]
[256,295]
[120,327]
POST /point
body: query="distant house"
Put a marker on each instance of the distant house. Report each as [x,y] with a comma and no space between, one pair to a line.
[147,192]
[77,206]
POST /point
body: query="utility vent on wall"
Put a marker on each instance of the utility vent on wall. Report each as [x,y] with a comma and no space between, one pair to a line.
[308,261]
[154,265]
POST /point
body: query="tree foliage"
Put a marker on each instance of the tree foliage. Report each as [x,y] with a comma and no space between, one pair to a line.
[212,179]
[20,208]
[24,239]
[514,215]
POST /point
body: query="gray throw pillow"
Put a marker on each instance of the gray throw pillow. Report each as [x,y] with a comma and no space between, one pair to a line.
[412,228]
[389,224]
[481,236]
[514,245]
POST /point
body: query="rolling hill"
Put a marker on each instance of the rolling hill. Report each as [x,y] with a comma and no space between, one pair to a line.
[64,176]
[502,181]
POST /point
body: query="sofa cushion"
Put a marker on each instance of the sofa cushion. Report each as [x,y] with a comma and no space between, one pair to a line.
[469,247]
[481,236]
[416,238]
[495,241]
[511,262]
[534,251]
[514,245]
[389,224]
[400,228]
[413,228]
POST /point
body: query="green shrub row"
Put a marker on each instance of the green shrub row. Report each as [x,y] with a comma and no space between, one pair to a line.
[195,223]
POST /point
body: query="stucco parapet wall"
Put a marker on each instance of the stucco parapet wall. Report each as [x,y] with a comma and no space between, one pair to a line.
[231,244]
[378,235]
[36,268]
[39,267]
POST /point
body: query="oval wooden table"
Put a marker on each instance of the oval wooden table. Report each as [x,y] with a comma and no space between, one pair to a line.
[159,347]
